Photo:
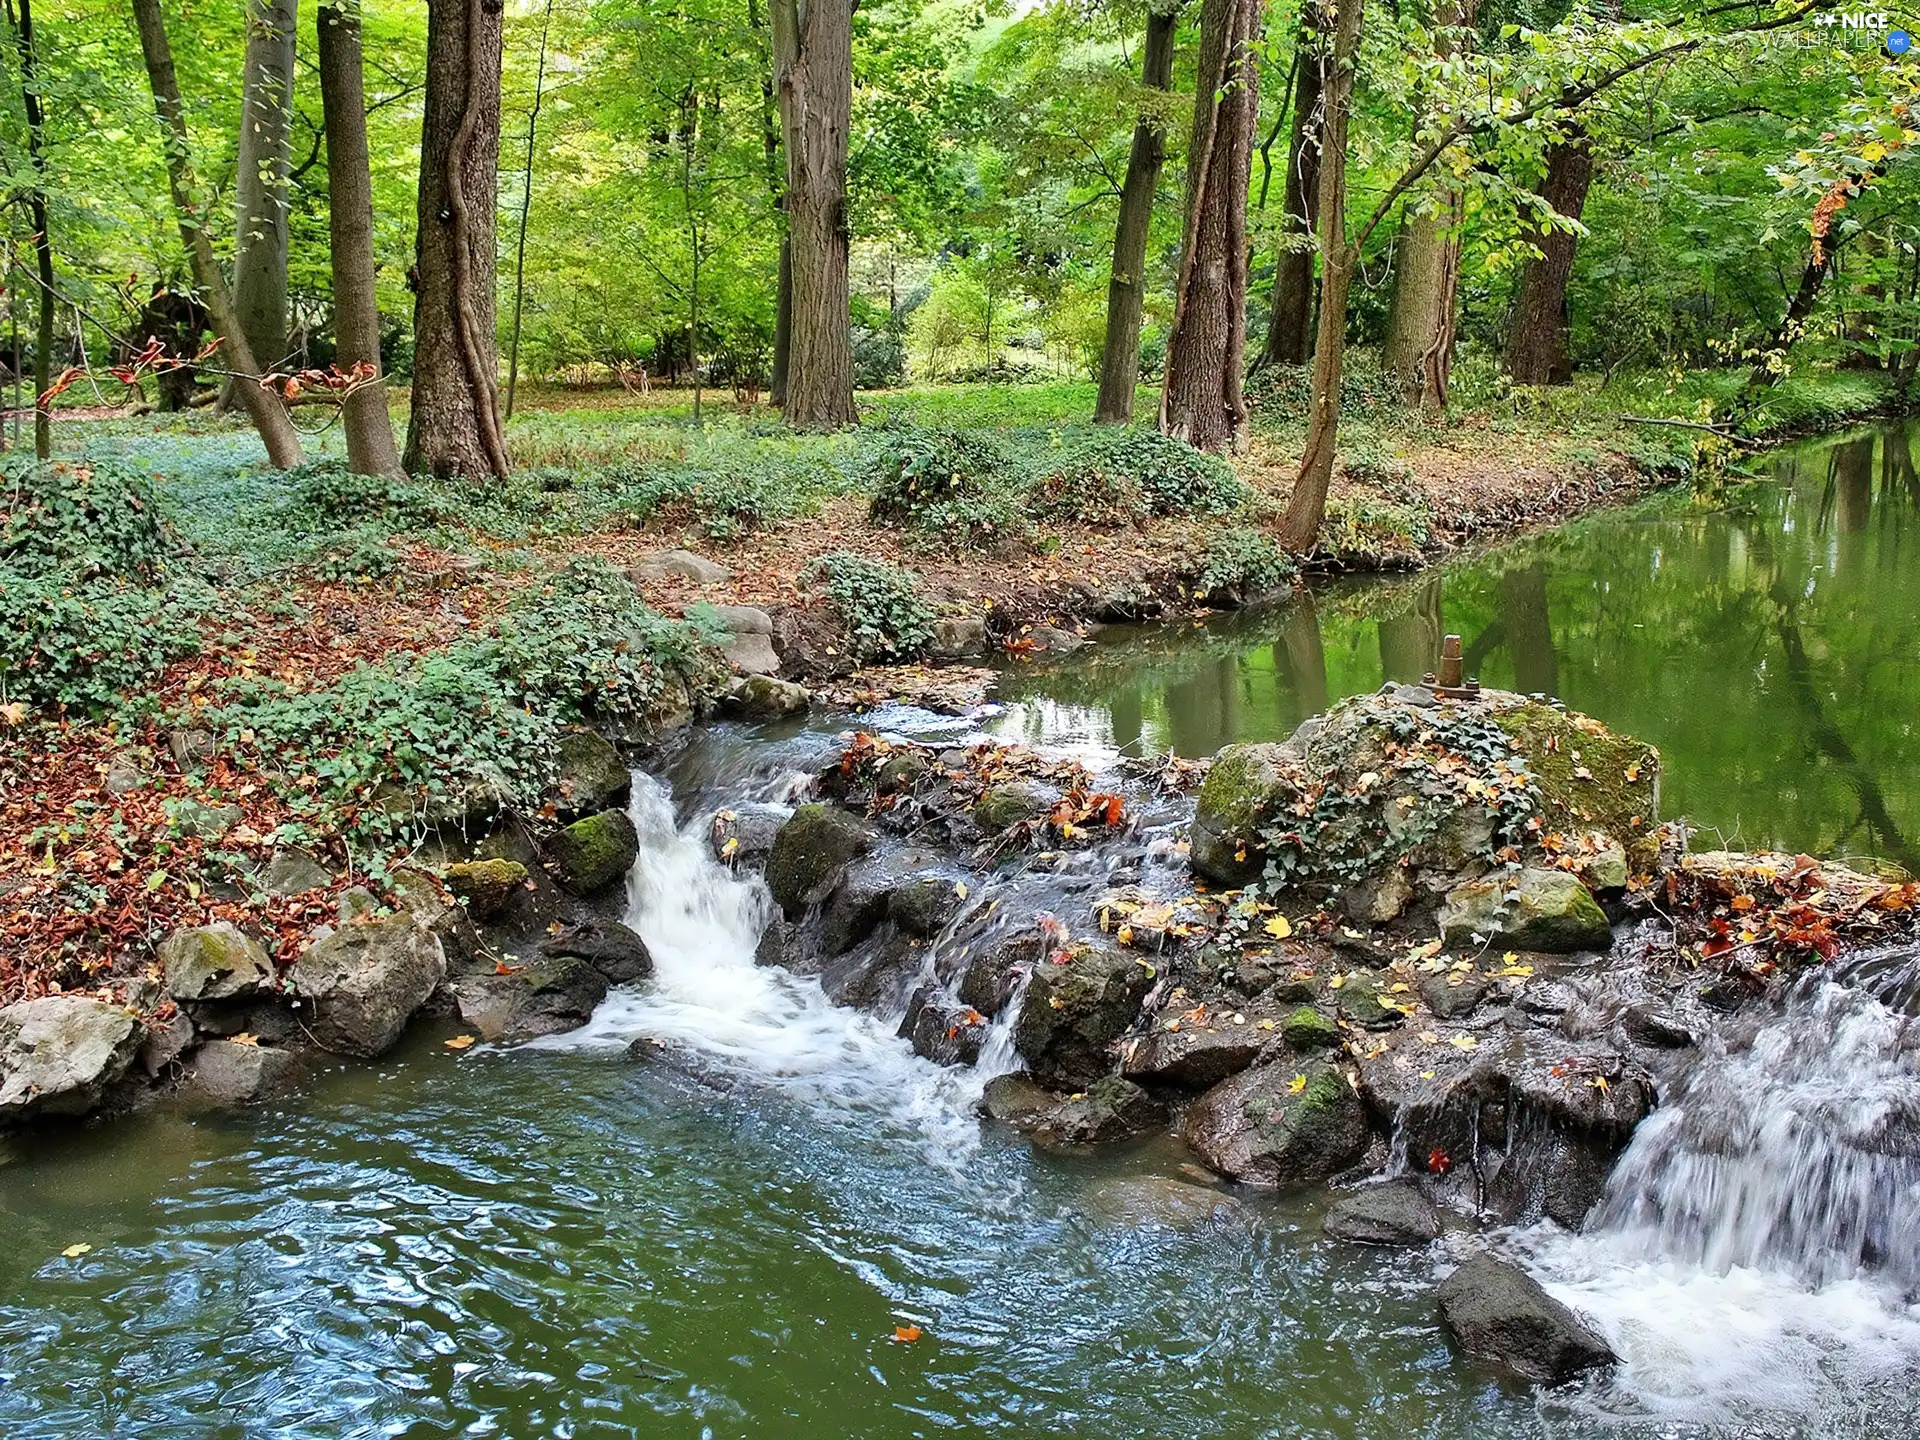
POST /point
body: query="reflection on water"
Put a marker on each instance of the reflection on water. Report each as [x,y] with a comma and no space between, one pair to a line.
[1768,648]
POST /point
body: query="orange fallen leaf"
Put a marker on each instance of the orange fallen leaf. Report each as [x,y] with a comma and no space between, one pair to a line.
[906,1334]
[460,1042]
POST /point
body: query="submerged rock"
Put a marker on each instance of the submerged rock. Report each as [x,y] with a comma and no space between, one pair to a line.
[593,853]
[1109,1110]
[231,1072]
[1393,1214]
[810,853]
[1501,1317]
[1073,1012]
[1281,1125]
[1550,911]
[365,981]
[58,1054]
[1136,1200]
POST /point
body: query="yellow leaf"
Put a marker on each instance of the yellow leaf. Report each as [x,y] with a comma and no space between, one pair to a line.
[1336,982]
[1279,927]
[731,848]
[1297,1084]
[460,1042]
[1463,1042]
[243,1038]
[960,889]
[1429,1038]
[1873,152]
[1124,934]
[74,1252]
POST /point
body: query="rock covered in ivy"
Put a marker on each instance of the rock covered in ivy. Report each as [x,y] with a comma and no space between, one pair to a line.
[1078,1002]
[811,852]
[1391,1214]
[485,886]
[361,985]
[214,962]
[1546,910]
[1284,1124]
[1435,787]
[58,1054]
[594,852]
[1501,1316]
[591,776]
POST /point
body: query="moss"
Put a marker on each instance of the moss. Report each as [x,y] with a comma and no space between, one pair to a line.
[1308,1029]
[809,853]
[591,854]
[1235,789]
[1000,807]
[1589,777]
[485,885]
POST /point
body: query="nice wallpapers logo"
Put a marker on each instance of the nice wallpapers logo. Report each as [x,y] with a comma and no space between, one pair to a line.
[1860,30]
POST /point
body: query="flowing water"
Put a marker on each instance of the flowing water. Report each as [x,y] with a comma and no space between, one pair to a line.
[585,1238]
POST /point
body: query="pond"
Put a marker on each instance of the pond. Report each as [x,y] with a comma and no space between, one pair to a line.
[729,1238]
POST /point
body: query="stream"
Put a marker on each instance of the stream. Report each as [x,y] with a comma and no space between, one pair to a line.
[719,1236]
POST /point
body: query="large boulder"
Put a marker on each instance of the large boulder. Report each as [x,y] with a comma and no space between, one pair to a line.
[591,854]
[1432,787]
[1501,1317]
[1545,910]
[1200,1048]
[554,994]
[592,776]
[214,962]
[485,887]
[616,952]
[1078,1002]
[1281,1125]
[365,981]
[678,565]
[1395,1214]
[811,852]
[234,1072]
[58,1054]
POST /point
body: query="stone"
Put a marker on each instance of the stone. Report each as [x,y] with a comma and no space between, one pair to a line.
[1002,806]
[593,853]
[778,944]
[1015,1099]
[1198,1054]
[470,805]
[743,619]
[1109,1110]
[1501,1317]
[58,1054]
[1605,863]
[125,775]
[1545,910]
[164,1042]
[293,871]
[679,565]
[1308,1029]
[1052,641]
[809,855]
[619,954]
[230,1072]
[990,973]
[745,833]
[485,887]
[1073,1013]
[363,983]
[1280,1125]
[925,905]
[203,821]
[1454,995]
[554,994]
[758,695]
[858,904]
[941,1029]
[1392,1214]
[1380,899]
[960,638]
[592,776]
[1139,1200]
[1240,790]
[1364,1001]
[191,747]
[214,962]
[1657,1031]
[750,654]
[356,902]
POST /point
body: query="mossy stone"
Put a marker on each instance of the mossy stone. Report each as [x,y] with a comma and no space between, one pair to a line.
[1308,1029]
[485,885]
[810,853]
[593,853]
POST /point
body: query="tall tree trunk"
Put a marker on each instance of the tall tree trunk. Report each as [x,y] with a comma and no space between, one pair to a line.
[1200,399]
[526,210]
[813,52]
[263,407]
[1290,324]
[1537,352]
[1307,506]
[1806,295]
[455,424]
[42,241]
[1126,283]
[356,312]
[260,180]
[1418,351]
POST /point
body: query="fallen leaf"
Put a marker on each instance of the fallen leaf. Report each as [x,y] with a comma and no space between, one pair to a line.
[960,889]
[74,1252]
[460,1042]
[244,1038]
[1297,1084]
[1279,927]
[1463,1042]
[906,1334]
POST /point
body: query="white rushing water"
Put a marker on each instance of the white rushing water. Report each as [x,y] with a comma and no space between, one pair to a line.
[757,1022]
[1758,1252]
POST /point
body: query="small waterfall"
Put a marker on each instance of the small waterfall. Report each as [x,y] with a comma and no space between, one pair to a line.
[759,1023]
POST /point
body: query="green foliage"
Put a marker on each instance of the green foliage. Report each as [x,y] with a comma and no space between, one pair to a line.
[1381,532]
[953,487]
[730,487]
[1239,565]
[329,497]
[879,604]
[1111,475]
[87,519]
[360,554]
[91,642]
[1370,463]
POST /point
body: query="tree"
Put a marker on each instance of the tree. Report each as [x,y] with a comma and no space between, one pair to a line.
[262,405]
[356,308]
[260,180]
[1536,351]
[455,426]
[526,210]
[1289,338]
[813,58]
[1126,284]
[42,240]
[1200,399]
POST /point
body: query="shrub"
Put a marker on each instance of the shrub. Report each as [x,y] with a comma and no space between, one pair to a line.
[1240,565]
[1104,475]
[360,554]
[82,520]
[1371,463]
[90,642]
[1375,530]
[944,483]
[732,487]
[330,497]
[879,603]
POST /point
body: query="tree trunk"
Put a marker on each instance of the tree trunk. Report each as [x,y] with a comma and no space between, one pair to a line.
[1126,283]
[1769,367]
[1290,323]
[356,313]
[1200,399]
[776,175]
[260,180]
[813,50]
[1537,340]
[1307,506]
[1418,351]
[263,406]
[42,241]
[455,424]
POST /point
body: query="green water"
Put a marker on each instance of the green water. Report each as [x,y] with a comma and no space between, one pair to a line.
[563,1242]
[1769,648]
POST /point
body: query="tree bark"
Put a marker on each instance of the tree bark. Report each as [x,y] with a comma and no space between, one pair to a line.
[260,180]
[455,424]
[782,325]
[1537,351]
[1418,351]
[1126,283]
[356,311]
[263,406]
[1200,399]
[813,57]
[1290,323]
[42,241]
[1307,506]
